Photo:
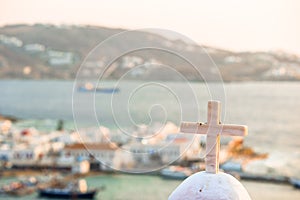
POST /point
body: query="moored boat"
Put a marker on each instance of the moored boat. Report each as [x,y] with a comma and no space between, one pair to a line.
[77,190]
[66,194]
[295,183]
[20,188]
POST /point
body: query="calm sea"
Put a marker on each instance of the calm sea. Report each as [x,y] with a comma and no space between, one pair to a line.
[270,109]
[145,187]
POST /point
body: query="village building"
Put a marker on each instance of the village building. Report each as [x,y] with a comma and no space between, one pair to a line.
[174,149]
[10,41]
[34,48]
[28,155]
[5,152]
[80,167]
[60,58]
[100,155]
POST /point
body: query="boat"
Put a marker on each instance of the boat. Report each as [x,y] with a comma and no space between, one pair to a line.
[66,194]
[21,191]
[176,172]
[89,87]
[20,188]
[295,183]
[230,166]
[76,190]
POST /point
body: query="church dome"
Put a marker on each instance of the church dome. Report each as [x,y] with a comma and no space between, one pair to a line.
[209,186]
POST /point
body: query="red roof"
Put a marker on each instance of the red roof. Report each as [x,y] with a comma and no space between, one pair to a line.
[92,146]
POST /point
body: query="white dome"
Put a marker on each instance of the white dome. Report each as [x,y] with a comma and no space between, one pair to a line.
[208,186]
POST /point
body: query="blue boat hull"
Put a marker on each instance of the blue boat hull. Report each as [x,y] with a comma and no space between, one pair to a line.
[101,90]
[67,194]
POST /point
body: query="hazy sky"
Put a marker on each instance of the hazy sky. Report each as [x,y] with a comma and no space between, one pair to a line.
[231,24]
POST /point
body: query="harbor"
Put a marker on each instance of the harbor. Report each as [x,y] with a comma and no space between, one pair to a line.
[35,147]
[127,185]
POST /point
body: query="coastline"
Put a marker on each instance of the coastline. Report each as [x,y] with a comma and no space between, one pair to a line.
[243,177]
[125,186]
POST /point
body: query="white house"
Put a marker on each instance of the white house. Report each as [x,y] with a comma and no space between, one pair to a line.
[5,152]
[5,127]
[59,58]
[144,153]
[174,148]
[95,152]
[94,135]
[131,61]
[68,138]
[10,41]
[81,167]
[34,48]
[28,155]
[65,161]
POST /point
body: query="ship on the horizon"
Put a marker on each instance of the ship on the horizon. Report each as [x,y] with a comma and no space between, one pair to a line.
[89,87]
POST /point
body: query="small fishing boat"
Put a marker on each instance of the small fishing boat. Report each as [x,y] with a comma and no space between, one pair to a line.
[295,183]
[66,194]
[20,188]
[72,191]
[89,87]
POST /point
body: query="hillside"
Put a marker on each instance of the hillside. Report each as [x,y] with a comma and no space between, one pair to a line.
[44,51]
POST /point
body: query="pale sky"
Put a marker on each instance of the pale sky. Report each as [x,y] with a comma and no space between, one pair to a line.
[237,25]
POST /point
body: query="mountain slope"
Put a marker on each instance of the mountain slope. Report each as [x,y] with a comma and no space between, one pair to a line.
[44,51]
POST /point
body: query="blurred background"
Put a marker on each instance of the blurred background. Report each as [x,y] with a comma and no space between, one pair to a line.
[92,94]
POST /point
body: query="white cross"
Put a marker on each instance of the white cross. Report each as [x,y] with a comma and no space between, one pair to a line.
[213,129]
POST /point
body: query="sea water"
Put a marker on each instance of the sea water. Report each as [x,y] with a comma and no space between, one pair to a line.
[270,109]
[150,187]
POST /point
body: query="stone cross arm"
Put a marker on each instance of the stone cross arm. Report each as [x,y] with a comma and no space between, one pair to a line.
[203,128]
[213,128]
